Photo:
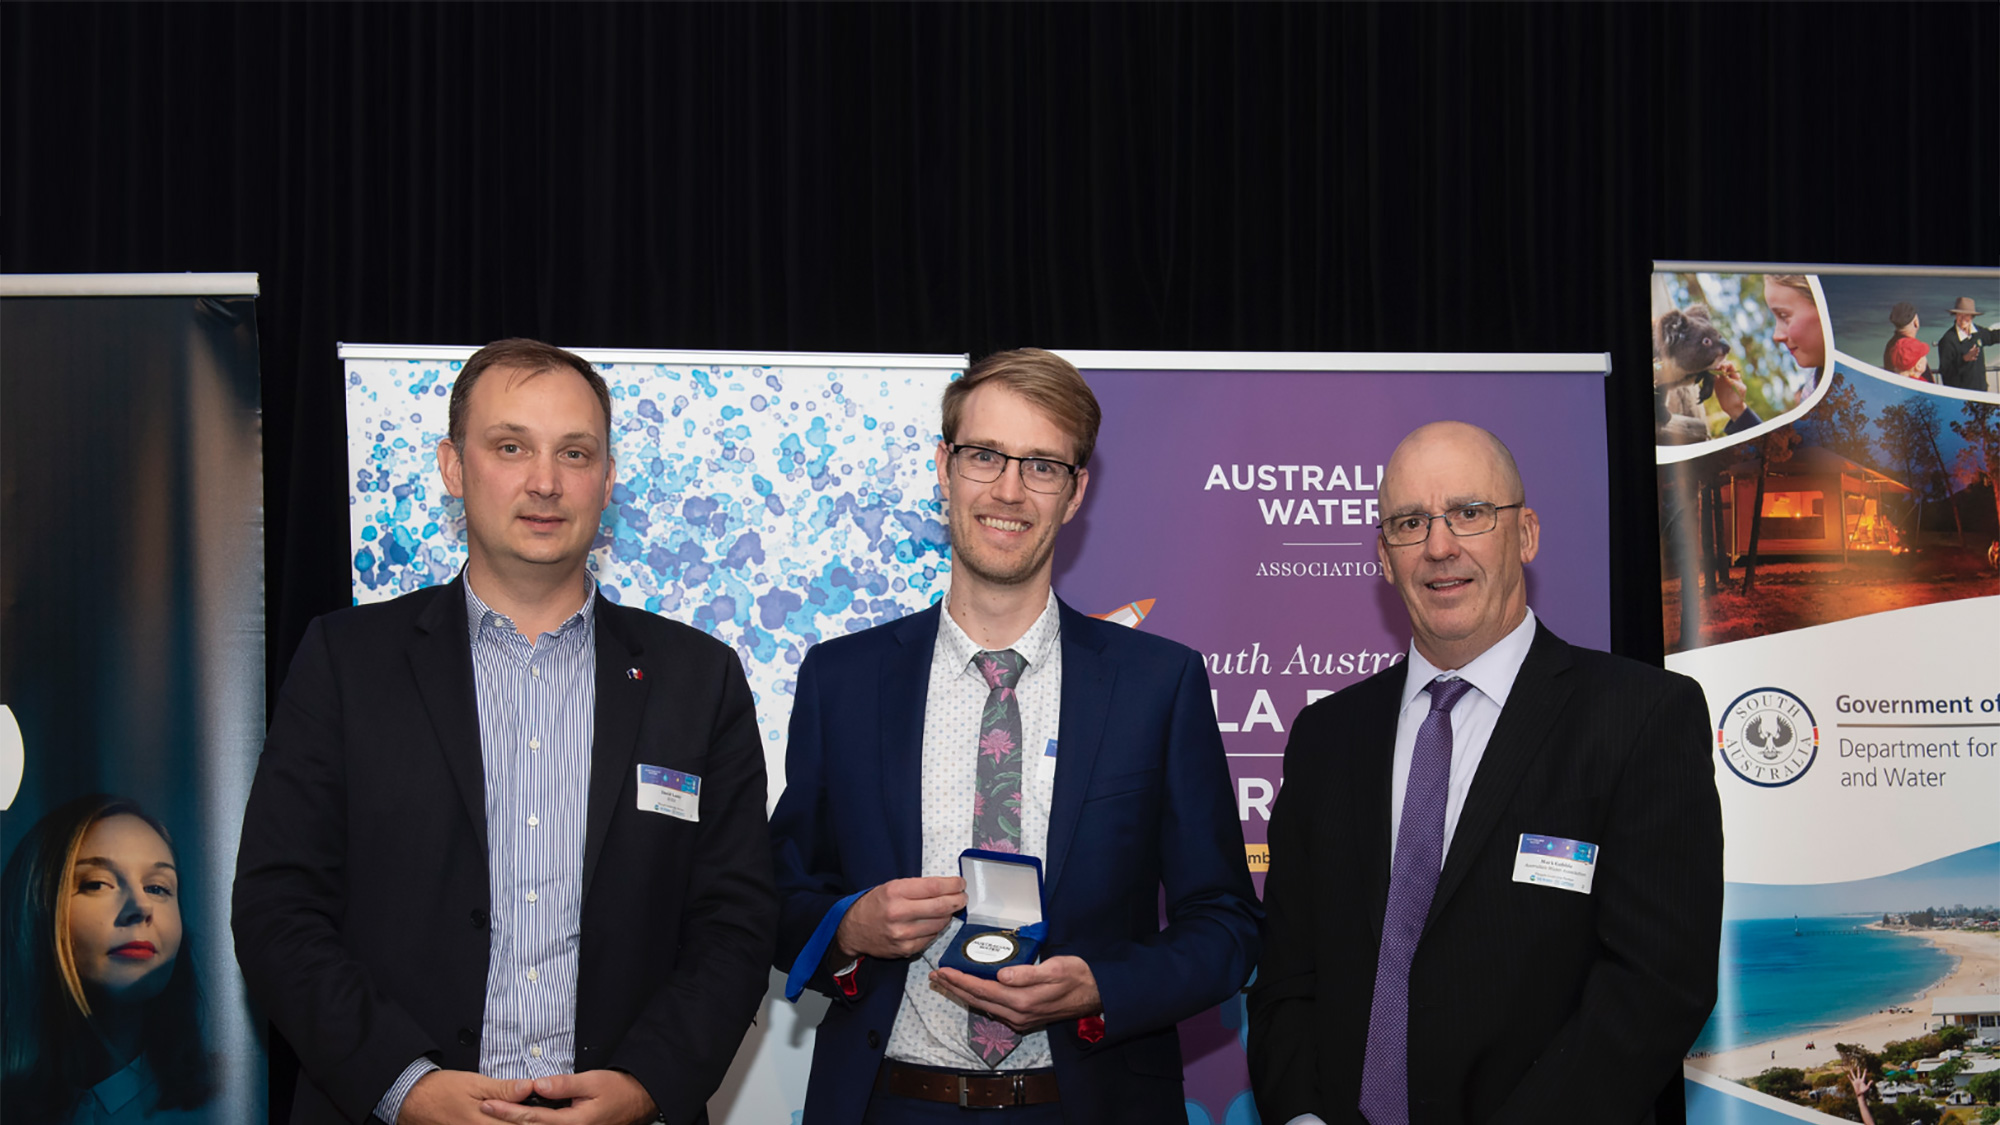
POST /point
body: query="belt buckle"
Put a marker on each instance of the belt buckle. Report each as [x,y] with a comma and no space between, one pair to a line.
[1018,1081]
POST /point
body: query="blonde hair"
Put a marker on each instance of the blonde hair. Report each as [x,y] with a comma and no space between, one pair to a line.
[65,950]
[1790,281]
[1045,379]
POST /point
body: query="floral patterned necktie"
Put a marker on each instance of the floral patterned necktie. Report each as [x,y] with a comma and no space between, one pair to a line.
[996,807]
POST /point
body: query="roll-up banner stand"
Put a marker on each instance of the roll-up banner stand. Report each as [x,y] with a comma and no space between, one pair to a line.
[132,678]
[1828,439]
[774,500]
[1232,507]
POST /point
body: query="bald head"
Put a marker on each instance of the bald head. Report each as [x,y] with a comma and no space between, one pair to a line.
[1464,592]
[1456,441]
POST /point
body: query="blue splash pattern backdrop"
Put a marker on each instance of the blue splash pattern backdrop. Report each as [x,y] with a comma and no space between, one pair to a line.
[768,500]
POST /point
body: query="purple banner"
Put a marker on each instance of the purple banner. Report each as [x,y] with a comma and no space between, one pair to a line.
[1234,511]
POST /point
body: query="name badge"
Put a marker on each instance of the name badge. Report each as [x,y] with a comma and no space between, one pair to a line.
[670,793]
[1551,861]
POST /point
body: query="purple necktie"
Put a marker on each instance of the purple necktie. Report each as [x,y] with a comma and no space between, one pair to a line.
[1413,879]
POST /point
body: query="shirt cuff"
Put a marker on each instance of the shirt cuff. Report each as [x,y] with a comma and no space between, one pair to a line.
[392,1102]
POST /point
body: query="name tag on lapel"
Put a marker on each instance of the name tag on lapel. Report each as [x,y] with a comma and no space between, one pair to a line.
[1551,861]
[669,793]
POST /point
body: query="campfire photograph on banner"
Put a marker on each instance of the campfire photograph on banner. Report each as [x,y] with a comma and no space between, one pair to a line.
[1878,497]
[1830,576]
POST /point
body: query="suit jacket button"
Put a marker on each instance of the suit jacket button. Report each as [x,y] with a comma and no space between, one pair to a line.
[874,1041]
[466,1038]
[481,919]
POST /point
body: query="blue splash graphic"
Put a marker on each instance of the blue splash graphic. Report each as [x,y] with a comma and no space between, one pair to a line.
[771,507]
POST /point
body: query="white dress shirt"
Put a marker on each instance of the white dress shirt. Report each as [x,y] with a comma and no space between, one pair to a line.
[930,1028]
[1491,674]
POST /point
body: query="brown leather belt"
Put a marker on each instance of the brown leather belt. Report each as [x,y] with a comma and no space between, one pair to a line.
[972,1091]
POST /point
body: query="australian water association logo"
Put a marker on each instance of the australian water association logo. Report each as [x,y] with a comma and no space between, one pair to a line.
[1768,737]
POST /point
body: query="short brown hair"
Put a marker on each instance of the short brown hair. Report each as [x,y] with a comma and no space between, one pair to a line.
[531,356]
[1043,378]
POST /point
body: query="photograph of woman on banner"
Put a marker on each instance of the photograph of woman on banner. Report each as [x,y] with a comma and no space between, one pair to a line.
[103,1013]
[1731,351]
[1790,298]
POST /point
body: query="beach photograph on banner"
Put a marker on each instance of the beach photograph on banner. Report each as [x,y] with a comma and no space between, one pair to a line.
[1831,577]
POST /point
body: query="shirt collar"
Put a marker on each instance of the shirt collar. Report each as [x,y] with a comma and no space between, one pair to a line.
[1962,333]
[1492,671]
[117,1091]
[1033,645]
[479,615]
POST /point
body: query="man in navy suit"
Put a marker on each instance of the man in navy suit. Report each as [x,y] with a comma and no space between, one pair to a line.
[1495,890]
[1008,721]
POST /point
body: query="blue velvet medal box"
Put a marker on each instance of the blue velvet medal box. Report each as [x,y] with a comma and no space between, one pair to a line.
[1003,913]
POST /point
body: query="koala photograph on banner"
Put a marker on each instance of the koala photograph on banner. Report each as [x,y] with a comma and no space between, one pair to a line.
[1828,443]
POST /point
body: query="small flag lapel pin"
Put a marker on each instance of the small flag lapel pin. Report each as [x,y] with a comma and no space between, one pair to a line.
[634,674]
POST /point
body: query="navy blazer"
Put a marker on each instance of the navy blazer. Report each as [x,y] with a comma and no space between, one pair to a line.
[361,901]
[1142,801]
[1526,1002]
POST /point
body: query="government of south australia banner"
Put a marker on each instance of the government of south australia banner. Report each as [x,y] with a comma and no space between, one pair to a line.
[1828,439]
[1232,507]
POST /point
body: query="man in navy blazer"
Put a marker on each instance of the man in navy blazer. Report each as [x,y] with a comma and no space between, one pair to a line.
[1119,786]
[458,895]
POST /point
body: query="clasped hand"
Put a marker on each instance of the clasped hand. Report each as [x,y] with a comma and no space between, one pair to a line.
[596,1097]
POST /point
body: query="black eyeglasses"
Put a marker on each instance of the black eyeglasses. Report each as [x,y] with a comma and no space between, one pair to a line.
[984,466]
[1412,528]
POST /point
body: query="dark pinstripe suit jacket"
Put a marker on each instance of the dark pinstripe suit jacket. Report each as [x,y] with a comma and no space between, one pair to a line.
[1526,1002]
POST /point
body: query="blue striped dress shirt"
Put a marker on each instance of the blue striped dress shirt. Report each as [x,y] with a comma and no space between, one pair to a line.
[537,716]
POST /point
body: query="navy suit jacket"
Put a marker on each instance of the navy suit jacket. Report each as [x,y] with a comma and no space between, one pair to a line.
[1527,1003]
[1142,801]
[361,899]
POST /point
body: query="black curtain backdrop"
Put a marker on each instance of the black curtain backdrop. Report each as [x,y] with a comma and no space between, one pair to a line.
[966,177]
[943,178]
